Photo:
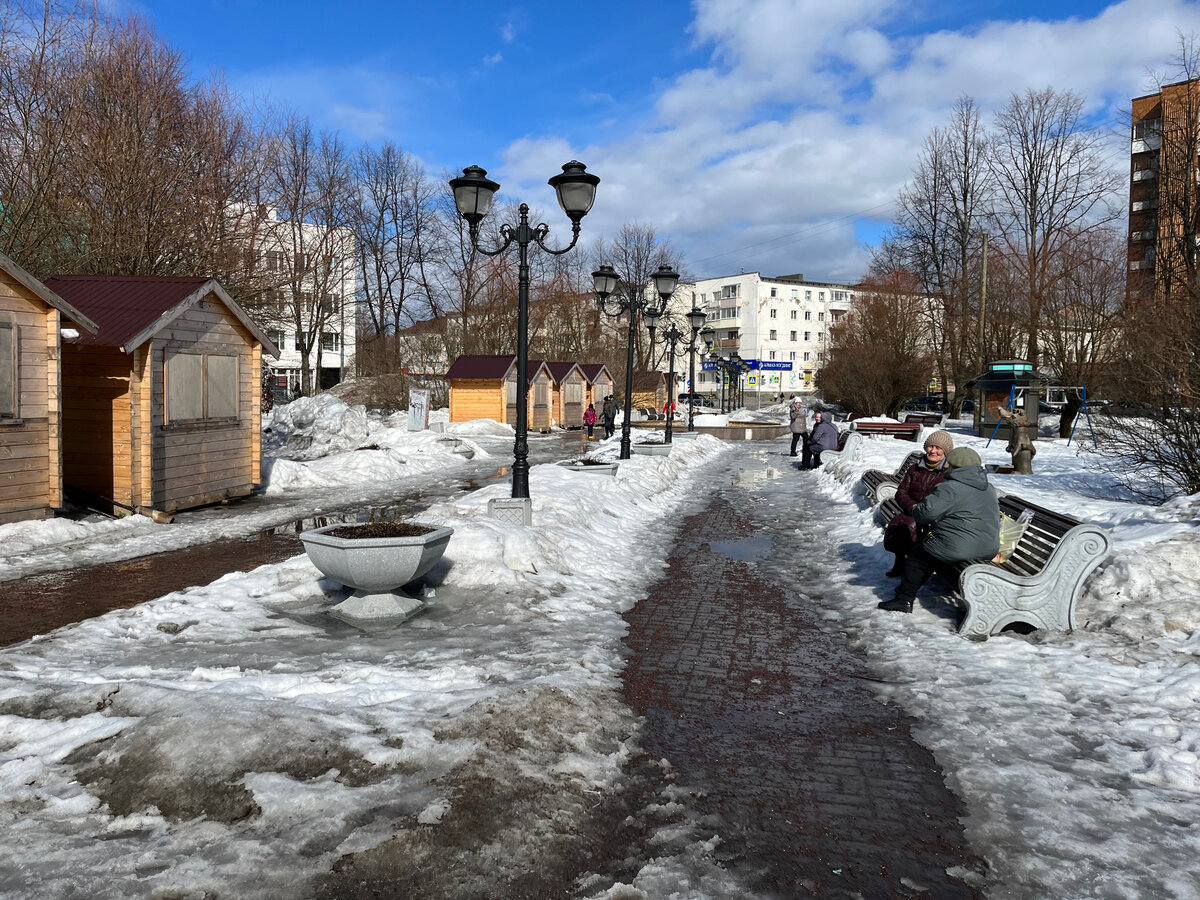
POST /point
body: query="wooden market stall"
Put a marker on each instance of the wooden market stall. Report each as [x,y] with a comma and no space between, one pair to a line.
[162,408]
[649,390]
[567,387]
[32,318]
[485,387]
[599,384]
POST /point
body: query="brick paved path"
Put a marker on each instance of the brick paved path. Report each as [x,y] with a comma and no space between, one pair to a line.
[815,786]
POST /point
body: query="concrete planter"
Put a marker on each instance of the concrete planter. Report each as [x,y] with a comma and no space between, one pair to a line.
[650,449]
[684,436]
[375,567]
[609,469]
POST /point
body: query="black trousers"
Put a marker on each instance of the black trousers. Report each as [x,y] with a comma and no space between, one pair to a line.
[609,428]
[811,460]
[919,567]
[795,440]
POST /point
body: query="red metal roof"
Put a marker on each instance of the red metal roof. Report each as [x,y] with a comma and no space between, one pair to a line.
[480,367]
[122,305]
[560,370]
[592,370]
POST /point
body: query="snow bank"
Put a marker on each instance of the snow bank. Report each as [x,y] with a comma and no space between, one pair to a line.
[312,427]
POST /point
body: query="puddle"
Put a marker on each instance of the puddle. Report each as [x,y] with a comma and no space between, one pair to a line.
[747,550]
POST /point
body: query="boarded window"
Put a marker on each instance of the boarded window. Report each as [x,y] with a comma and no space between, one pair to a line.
[512,393]
[8,369]
[201,387]
[541,393]
[574,392]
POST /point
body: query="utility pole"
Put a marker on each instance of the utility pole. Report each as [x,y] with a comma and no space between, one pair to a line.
[982,313]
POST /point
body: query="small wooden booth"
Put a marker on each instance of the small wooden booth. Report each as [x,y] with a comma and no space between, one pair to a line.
[1005,380]
[162,408]
[649,390]
[485,387]
[567,387]
[599,384]
[32,319]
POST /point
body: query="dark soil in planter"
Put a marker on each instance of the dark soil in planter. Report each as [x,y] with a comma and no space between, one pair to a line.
[592,462]
[381,530]
[654,443]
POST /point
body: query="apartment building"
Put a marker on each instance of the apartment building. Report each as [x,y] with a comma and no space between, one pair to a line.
[779,325]
[1164,212]
[314,270]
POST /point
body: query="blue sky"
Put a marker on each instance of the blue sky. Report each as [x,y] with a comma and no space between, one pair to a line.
[767,135]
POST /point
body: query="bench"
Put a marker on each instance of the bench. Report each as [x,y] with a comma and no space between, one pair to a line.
[1039,584]
[847,448]
[882,485]
[934,419]
[905,431]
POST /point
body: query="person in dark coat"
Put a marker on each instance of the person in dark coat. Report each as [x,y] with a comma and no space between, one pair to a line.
[964,514]
[798,423]
[610,416]
[917,484]
[824,437]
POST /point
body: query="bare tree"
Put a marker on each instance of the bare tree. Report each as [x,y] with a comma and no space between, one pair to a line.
[880,351]
[310,177]
[939,217]
[1052,188]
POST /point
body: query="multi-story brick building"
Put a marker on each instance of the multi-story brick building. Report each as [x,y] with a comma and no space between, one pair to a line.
[1164,205]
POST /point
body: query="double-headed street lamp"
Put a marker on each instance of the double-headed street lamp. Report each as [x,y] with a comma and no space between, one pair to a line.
[605,280]
[473,195]
[670,339]
[731,370]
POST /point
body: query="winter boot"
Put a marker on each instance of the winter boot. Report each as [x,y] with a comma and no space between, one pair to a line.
[897,604]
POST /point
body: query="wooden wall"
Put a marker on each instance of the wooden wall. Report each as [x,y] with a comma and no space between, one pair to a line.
[199,463]
[97,436]
[569,415]
[30,456]
[597,391]
[472,398]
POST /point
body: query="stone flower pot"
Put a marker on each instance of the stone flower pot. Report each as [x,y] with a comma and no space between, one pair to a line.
[375,567]
[685,436]
[650,449]
[590,467]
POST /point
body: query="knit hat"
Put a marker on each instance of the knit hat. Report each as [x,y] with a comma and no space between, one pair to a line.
[963,457]
[940,439]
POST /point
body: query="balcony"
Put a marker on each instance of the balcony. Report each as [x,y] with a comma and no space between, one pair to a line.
[729,344]
[1144,235]
[1144,175]
[1140,205]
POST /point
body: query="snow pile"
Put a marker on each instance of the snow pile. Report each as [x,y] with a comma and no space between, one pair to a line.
[312,427]
[479,427]
[374,749]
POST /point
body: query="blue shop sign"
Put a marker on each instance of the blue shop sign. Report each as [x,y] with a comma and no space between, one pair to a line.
[775,366]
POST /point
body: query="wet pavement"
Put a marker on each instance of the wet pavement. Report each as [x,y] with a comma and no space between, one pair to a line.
[39,603]
[816,788]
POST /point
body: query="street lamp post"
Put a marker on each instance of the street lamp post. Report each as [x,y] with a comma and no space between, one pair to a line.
[473,195]
[696,319]
[670,338]
[605,280]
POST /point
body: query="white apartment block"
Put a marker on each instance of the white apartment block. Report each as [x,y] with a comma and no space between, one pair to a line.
[326,298]
[780,325]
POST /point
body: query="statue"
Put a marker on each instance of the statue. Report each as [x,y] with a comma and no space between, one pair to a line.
[1020,444]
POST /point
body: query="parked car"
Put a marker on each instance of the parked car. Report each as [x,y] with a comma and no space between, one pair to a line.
[702,400]
[928,403]
[968,406]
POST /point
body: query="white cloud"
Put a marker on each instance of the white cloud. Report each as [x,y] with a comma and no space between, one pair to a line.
[493,59]
[808,113]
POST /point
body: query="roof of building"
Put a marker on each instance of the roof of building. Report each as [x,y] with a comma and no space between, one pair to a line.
[47,296]
[591,371]
[130,309]
[480,367]
[648,380]
[560,370]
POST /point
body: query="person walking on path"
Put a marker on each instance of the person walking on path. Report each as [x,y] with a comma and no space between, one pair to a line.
[609,411]
[964,514]
[589,419]
[900,536]
[798,424]
[824,437]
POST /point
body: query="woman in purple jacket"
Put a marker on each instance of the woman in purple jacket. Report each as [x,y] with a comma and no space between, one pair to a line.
[917,484]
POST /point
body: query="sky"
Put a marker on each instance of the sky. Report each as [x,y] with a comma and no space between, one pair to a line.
[1076,754]
[756,135]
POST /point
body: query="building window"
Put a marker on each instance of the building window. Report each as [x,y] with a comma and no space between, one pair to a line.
[795,293]
[806,356]
[793,335]
[331,340]
[329,304]
[792,356]
[275,336]
[773,313]
[201,386]
[774,292]
[808,335]
[774,336]
[8,370]
[793,314]
[821,297]
[808,295]
[807,316]
[820,357]
[729,292]
[300,337]
[820,335]
[820,317]
[771,354]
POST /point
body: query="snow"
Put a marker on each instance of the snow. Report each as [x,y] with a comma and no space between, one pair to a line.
[235,739]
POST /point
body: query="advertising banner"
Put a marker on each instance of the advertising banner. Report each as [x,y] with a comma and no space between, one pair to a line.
[418,410]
